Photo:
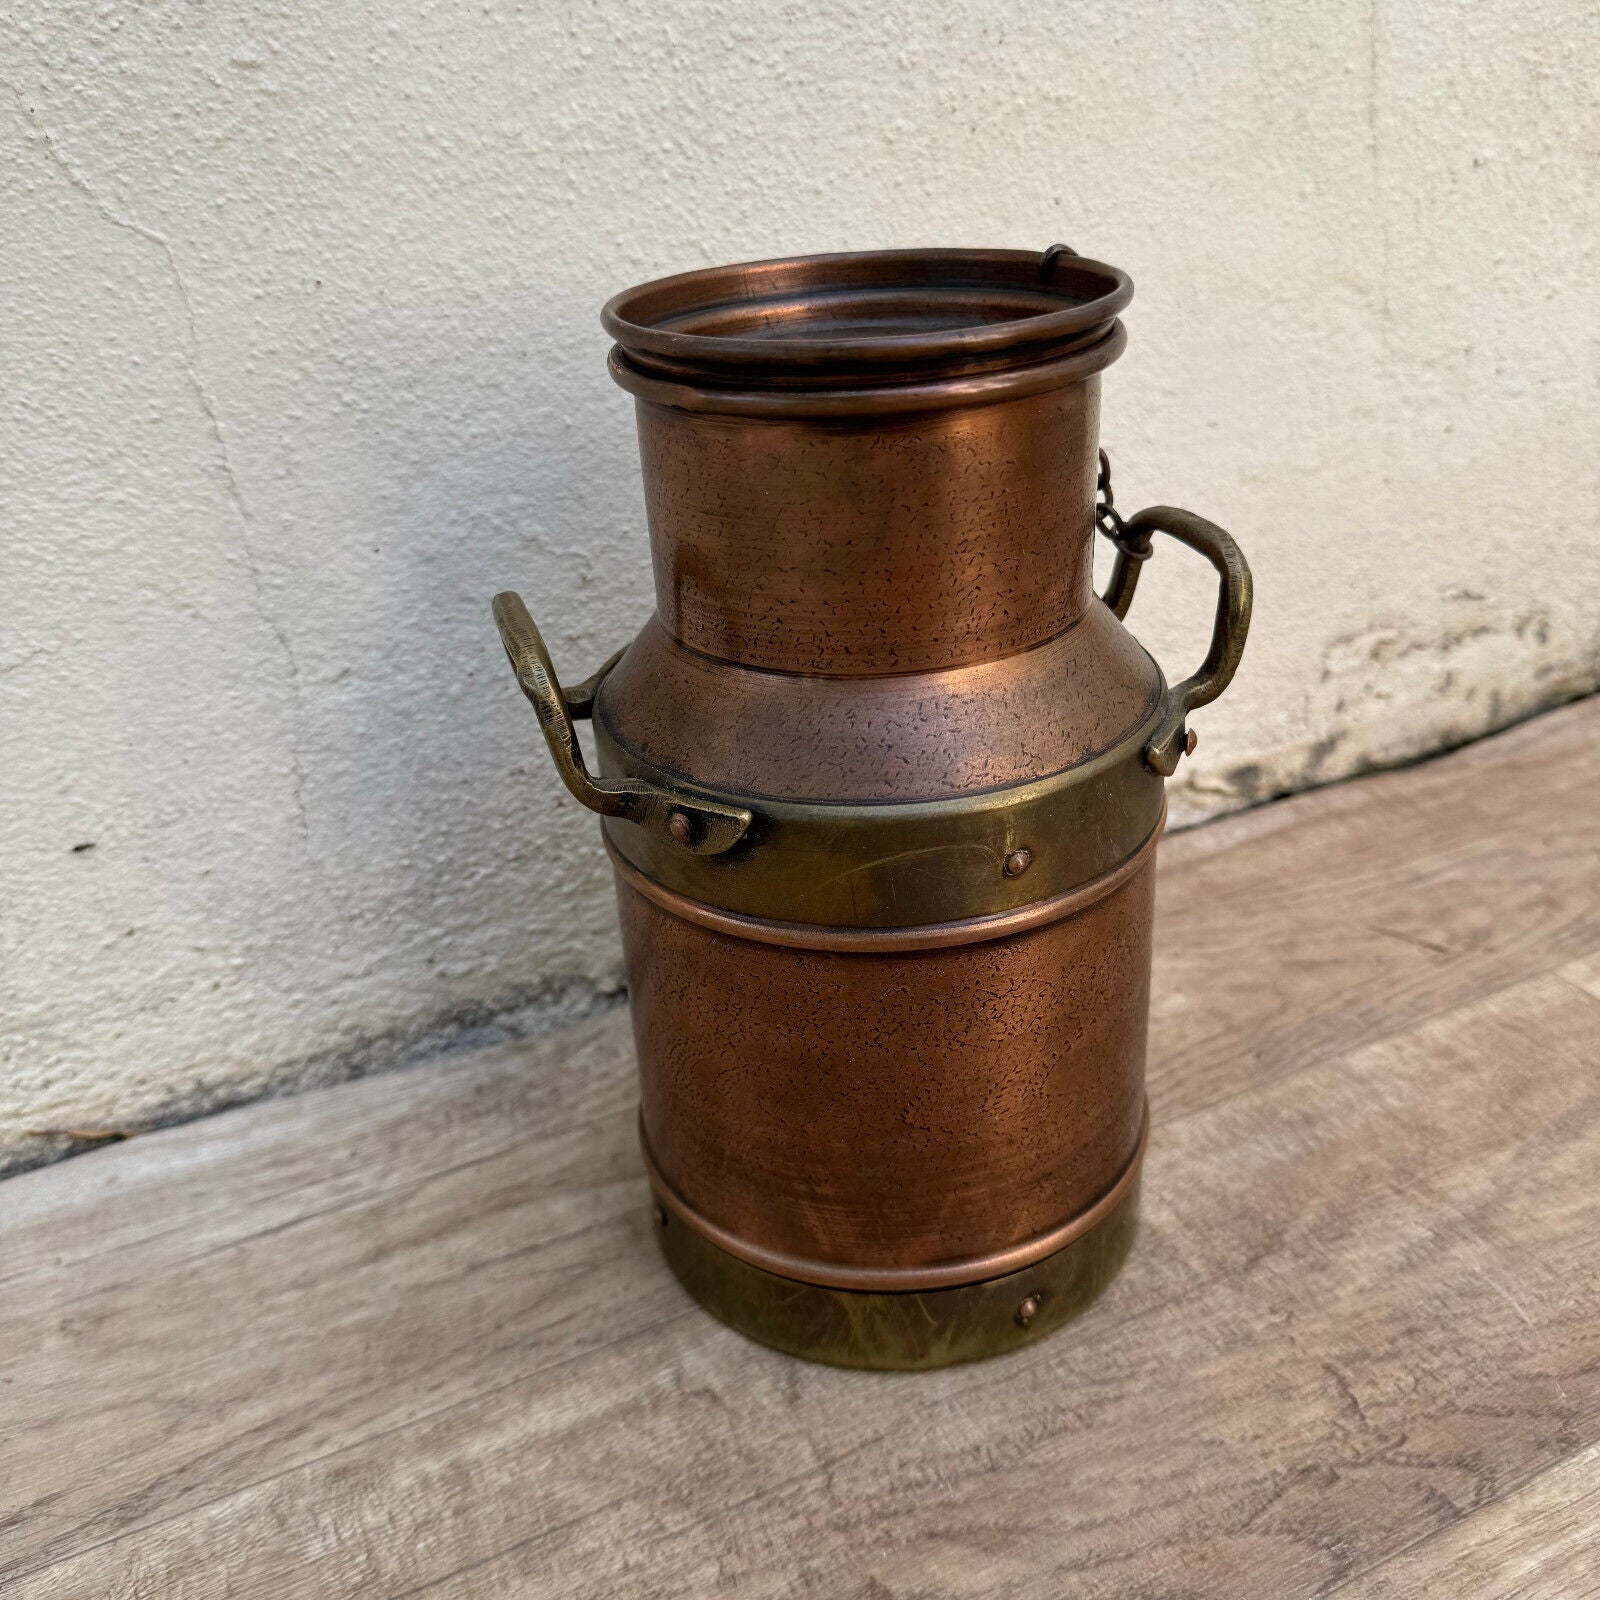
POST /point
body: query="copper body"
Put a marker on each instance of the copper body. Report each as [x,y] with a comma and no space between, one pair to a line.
[892,1120]
[890,979]
[892,1114]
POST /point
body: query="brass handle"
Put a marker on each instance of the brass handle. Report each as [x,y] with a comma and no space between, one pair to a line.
[1169,742]
[702,827]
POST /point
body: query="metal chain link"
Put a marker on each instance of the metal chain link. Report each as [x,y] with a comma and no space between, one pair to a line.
[1109,520]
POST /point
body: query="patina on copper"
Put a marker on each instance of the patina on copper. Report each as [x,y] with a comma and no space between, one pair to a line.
[882,783]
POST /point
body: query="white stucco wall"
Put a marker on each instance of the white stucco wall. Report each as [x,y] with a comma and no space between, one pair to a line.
[301,364]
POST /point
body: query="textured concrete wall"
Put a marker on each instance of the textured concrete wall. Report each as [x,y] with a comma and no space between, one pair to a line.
[297,309]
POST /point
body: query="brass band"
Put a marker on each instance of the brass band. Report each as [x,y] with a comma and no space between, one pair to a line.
[893,865]
[870,941]
[909,1331]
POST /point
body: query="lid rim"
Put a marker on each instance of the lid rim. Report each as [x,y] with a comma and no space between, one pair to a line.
[646,342]
[875,391]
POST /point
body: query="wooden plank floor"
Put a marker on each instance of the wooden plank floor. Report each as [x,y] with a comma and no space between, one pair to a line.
[411,1337]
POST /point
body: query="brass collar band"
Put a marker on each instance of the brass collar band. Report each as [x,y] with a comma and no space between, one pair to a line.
[897,1280]
[883,865]
[882,941]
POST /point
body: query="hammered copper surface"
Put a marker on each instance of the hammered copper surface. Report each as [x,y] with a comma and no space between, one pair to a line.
[905,1109]
[882,781]
[911,736]
[896,545]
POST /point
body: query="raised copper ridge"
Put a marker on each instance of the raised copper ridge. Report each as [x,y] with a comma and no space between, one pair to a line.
[946,1274]
[878,399]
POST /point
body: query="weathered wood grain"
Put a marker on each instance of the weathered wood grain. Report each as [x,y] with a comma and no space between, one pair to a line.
[1584,973]
[1355,1315]
[67,1230]
[1308,926]
[411,1335]
[1541,1543]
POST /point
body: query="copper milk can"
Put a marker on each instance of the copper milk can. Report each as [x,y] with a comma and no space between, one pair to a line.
[882,781]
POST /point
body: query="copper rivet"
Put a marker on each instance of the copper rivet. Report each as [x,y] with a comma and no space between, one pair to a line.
[680,827]
[1191,739]
[1027,1311]
[659,1212]
[1017,863]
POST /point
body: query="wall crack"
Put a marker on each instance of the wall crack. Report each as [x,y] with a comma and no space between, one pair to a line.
[224,461]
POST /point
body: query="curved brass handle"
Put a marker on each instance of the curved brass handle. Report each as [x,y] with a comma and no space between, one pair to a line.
[1171,739]
[702,827]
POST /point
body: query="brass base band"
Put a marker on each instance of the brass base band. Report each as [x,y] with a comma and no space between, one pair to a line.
[894,1280]
[905,1331]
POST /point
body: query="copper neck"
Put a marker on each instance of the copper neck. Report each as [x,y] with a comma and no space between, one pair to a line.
[867,465]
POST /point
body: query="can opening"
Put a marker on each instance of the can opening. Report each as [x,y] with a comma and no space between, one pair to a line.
[875,314]
[864,313]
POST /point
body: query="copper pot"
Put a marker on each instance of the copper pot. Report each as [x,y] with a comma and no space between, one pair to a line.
[882,781]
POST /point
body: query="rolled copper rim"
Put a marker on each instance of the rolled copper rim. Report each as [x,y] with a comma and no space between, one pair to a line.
[868,309]
[895,1280]
[869,941]
[975,389]
[868,332]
